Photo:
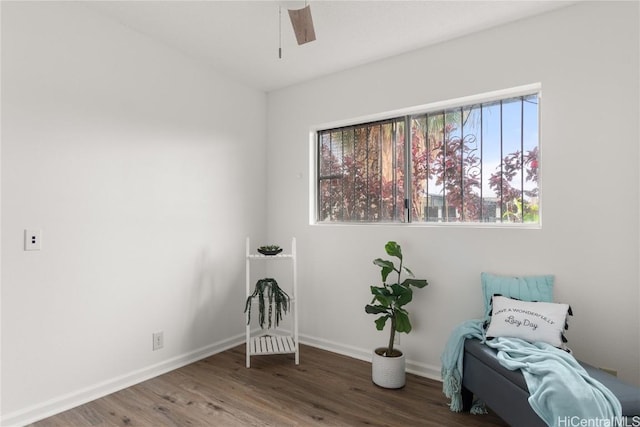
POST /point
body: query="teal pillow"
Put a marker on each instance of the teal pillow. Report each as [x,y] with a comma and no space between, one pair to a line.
[524,288]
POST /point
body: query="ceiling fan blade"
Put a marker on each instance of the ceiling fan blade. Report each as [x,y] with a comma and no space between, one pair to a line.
[302,24]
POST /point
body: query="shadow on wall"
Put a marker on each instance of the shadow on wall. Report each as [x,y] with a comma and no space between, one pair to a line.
[216,299]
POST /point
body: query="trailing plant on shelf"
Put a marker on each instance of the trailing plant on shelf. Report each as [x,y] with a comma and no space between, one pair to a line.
[267,291]
[389,299]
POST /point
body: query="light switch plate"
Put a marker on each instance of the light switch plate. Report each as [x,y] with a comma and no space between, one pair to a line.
[32,240]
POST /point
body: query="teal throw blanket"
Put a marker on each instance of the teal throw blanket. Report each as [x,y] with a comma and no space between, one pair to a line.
[452,363]
[559,387]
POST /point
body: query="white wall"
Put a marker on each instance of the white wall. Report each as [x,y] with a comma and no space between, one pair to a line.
[586,57]
[143,170]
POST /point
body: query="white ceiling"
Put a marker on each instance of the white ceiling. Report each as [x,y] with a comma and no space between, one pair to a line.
[241,38]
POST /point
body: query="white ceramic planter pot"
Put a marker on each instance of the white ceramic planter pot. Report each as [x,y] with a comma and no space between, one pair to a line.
[387,372]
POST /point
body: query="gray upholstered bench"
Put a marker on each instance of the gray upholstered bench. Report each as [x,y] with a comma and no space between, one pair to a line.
[506,392]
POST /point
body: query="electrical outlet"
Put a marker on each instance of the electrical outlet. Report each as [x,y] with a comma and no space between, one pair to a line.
[32,240]
[396,339]
[158,340]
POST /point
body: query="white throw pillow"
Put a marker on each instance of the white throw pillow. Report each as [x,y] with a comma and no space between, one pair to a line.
[530,321]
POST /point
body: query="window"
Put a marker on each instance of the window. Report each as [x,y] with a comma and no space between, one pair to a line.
[474,163]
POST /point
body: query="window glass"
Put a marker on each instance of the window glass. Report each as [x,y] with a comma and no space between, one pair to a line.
[474,163]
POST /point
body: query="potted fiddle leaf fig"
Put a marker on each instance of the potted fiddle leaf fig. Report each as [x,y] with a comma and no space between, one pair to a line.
[389,299]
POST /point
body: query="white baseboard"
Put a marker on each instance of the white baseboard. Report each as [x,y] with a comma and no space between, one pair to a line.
[71,400]
[60,404]
[421,369]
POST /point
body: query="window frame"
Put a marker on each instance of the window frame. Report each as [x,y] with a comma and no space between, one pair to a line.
[408,114]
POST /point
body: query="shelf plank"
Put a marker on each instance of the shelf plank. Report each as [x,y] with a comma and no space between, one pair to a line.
[268,344]
[279,256]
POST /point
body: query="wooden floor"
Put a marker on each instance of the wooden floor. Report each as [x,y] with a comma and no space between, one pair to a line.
[326,389]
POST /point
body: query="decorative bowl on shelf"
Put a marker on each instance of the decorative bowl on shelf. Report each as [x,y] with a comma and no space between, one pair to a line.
[270,250]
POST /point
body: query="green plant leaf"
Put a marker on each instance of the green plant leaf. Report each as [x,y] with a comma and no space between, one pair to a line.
[375,309]
[418,283]
[380,322]
[386,267]
[380,290]
[403,295]
[393,249]
[402,321]
[396,289]
[409,272]
[383,301]
[382,295]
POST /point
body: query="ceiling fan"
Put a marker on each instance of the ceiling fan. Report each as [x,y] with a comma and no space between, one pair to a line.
[302,24]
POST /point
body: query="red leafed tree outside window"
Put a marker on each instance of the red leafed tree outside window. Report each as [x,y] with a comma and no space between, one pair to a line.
[477,163]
